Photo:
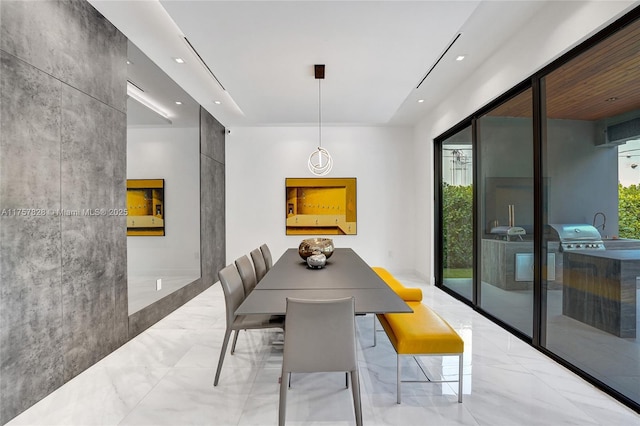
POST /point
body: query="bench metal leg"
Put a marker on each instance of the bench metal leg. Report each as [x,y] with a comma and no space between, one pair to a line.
[399,377]
[375,341]
[460,378]
[399,374]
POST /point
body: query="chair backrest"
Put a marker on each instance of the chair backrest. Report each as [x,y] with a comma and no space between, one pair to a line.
[320,335]
[258,263]
[266,253]
[233,290]
[247,274]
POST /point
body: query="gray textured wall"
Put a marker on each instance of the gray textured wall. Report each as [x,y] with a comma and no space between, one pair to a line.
[63,284]
[212,197]
[63,288]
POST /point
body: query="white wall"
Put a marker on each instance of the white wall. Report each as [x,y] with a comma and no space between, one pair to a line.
[258,159]
[594,171]
[172,154]
[554,30]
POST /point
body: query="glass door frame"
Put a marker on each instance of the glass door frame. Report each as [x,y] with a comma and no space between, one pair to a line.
[472,121]
[438,216]
[536,83]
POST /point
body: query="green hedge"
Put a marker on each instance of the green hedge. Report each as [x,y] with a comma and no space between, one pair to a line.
[629,211]
[457,205]
[457,216]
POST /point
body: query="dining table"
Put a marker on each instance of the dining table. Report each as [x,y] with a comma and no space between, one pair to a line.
[345,274]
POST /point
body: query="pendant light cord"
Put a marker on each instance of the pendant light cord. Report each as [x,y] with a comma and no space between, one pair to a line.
[320,162]
[319,113]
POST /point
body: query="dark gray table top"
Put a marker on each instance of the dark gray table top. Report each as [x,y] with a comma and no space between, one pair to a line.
[344,269]
[345,274]
[367,301]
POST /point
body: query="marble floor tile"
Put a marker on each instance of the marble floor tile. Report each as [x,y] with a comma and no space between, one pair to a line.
[102,395]
[186,396]
[164,376]
[142,289]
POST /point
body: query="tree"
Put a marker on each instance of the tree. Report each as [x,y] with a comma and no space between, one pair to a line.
[629,211]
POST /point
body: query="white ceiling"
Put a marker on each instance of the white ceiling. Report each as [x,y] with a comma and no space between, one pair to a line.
[263,52]
[159,89]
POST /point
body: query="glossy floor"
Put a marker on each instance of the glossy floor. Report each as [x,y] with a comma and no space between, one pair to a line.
[143,289]
[165,377]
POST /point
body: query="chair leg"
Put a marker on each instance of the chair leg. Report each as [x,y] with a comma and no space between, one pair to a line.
[225,342]
[282,407]
[235,340]
[346,380]
[460,378]
[375,340]
[399,377]
[355,388]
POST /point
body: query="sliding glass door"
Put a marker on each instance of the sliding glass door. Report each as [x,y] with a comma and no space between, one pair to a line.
[593,305]
[505,188]
[538,210]
[457,213]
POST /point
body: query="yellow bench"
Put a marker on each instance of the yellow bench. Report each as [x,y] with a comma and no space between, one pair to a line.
[407,294]
[421,333]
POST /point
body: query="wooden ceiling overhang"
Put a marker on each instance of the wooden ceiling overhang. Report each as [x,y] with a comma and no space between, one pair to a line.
[602,82]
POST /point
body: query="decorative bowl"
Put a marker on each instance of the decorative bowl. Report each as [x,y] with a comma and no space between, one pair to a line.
[310,245]
[317,260]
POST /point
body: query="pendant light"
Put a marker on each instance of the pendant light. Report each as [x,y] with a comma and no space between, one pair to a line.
[320,162]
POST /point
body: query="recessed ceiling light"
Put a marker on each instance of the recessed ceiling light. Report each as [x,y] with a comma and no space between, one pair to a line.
[460,57]
[217,102]
[179,60]
[178,103]
[420,101]
[129,62]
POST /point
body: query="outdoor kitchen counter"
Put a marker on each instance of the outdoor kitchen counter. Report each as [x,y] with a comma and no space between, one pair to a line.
[509,264]
[621,244]
[600,289]
[611,254]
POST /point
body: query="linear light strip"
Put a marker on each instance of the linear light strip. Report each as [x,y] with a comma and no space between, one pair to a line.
[439,59]
[204,64]
[134,85]
[136,94]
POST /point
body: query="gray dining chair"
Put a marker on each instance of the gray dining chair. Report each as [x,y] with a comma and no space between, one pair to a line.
[233,296]
[247,274]
[320,336]
[258,263]
[266,253]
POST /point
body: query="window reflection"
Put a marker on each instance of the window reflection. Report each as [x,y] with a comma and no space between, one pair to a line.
[162,149]
[506,188]
[589,187]
[593,309]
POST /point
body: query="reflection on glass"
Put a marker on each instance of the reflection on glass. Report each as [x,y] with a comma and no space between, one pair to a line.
[506,211]
[145,207]
[163,243]
[593,307]
[457,213]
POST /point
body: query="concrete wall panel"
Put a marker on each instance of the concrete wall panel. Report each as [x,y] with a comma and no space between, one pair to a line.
[63,297]
[70,40]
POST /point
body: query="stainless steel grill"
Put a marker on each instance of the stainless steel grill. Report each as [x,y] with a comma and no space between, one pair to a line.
[574,236]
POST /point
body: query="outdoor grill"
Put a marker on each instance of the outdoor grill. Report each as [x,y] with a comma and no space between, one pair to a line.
[574,236]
